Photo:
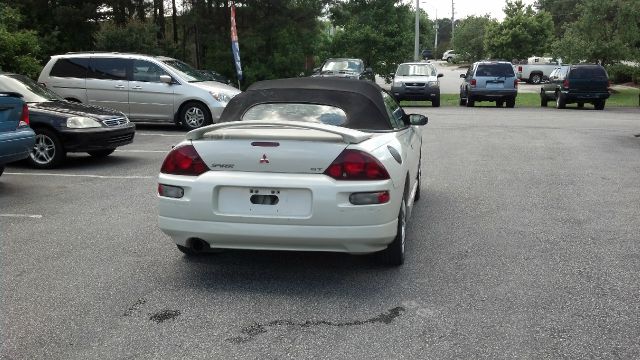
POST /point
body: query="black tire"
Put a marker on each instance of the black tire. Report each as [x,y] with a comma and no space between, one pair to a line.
[511,102]
[194,115]
[449,59]
[561,103]
[101,153]
[187,251]
[462,102]
[499,103]
[393,255]
[48,151]
[544,102]
[580,105]
[599,105]
[1,169]
[435,102]
[470,102]
[535,79]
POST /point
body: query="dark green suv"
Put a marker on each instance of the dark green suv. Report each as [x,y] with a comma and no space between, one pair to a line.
[577,84]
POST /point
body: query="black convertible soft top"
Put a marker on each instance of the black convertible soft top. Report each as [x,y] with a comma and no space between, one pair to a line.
[361,100]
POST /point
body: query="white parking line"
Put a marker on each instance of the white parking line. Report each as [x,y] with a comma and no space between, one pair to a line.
[142,151]
[22,216]
[82,175]
[166,135]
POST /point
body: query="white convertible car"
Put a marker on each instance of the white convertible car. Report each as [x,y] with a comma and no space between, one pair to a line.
[307,164]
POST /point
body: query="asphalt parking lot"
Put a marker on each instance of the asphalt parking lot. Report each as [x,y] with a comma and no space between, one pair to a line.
[525,245]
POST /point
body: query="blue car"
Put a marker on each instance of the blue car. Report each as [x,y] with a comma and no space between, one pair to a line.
[16,137]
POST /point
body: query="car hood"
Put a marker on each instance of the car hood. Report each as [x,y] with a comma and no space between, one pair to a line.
[216,86]
[415,79]
[68,109]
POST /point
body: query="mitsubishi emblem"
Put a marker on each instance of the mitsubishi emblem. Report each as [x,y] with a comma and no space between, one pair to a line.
[264,159]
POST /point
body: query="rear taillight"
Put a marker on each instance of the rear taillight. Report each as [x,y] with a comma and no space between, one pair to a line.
[24,118]
[473,82]
[519,68]
[184,160]
[565,83]
[356,165]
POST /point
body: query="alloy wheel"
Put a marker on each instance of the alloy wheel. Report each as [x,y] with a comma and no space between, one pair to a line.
[44,150]
[194,117]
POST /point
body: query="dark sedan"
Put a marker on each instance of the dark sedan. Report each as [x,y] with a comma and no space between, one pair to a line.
[62,126]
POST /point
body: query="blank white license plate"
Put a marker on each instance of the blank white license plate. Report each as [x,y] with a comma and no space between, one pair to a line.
[260,201]
[495,85]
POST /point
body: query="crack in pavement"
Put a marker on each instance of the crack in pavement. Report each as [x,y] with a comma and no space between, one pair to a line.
[255,329]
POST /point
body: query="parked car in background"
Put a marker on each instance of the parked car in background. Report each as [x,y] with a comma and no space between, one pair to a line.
[577,84]
[279,172]
[16,137]
[144,88]
[344,68]
[427,54]
[536,69]
[489,81]
[417,81]
[62,126]
[450,56]
[216,76]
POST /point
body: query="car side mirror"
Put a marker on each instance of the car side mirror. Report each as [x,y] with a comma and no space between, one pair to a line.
[440,75]
[417,119]
[315,70]
[463,76]
[166,79]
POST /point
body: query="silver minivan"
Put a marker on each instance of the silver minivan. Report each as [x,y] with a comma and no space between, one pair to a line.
[145,88]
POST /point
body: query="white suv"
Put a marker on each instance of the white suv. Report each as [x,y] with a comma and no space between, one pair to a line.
[449,55]
[145,88]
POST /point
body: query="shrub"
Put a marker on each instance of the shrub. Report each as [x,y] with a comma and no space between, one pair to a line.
[623,73]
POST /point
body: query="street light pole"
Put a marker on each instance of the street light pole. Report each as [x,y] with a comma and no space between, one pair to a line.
[416,45]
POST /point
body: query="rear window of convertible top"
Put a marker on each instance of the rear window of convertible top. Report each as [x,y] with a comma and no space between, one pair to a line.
[313,113]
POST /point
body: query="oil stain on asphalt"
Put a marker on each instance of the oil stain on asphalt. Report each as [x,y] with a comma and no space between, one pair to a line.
[255,329]
[164,315]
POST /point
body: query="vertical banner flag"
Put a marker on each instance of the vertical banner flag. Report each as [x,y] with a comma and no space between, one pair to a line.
[234,42]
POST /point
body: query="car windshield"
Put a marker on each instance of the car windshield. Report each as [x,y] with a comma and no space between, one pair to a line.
[495,70]
[415,70]
[343,65]
[313,113]
[30,90]
[187,72]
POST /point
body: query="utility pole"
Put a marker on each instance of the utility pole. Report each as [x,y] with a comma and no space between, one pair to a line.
[416,45]
[452,23]
[435,42]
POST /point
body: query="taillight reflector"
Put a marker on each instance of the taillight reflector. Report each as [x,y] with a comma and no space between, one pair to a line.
[565,83]
[369,198]
[184,160]
[356,165]
[24,118]
[473,82]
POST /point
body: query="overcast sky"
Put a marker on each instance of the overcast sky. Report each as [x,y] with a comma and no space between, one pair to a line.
[464,8]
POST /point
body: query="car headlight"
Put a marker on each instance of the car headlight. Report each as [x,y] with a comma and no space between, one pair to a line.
[397,84]
[81,122]
[220,96]
[432,83]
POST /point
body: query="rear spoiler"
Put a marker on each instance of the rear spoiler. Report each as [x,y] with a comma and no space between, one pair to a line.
[350,136]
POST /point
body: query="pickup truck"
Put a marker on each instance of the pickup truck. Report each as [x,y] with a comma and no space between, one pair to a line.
[536,69]
[16,137]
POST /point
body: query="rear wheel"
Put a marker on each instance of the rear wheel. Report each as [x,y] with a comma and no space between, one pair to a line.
[470,102]
[47,152]
[394,253]
[436,102]
[580,105]
[499,103]
[185,250]
[561,103]
[1,169]
[599,105]
[535,79]
[101,153]
[544,102]
[462,102]
[511,102]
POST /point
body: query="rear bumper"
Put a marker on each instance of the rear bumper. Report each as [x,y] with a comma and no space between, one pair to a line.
[81,140]
[350,239]
[16,145]
[586,97]
[415,93]
[492,94]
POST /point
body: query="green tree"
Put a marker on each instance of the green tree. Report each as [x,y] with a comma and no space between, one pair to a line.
[134,36]
[19,49]
[523,33]
[379,32]
[470,36]
[563,12]
[605,32]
